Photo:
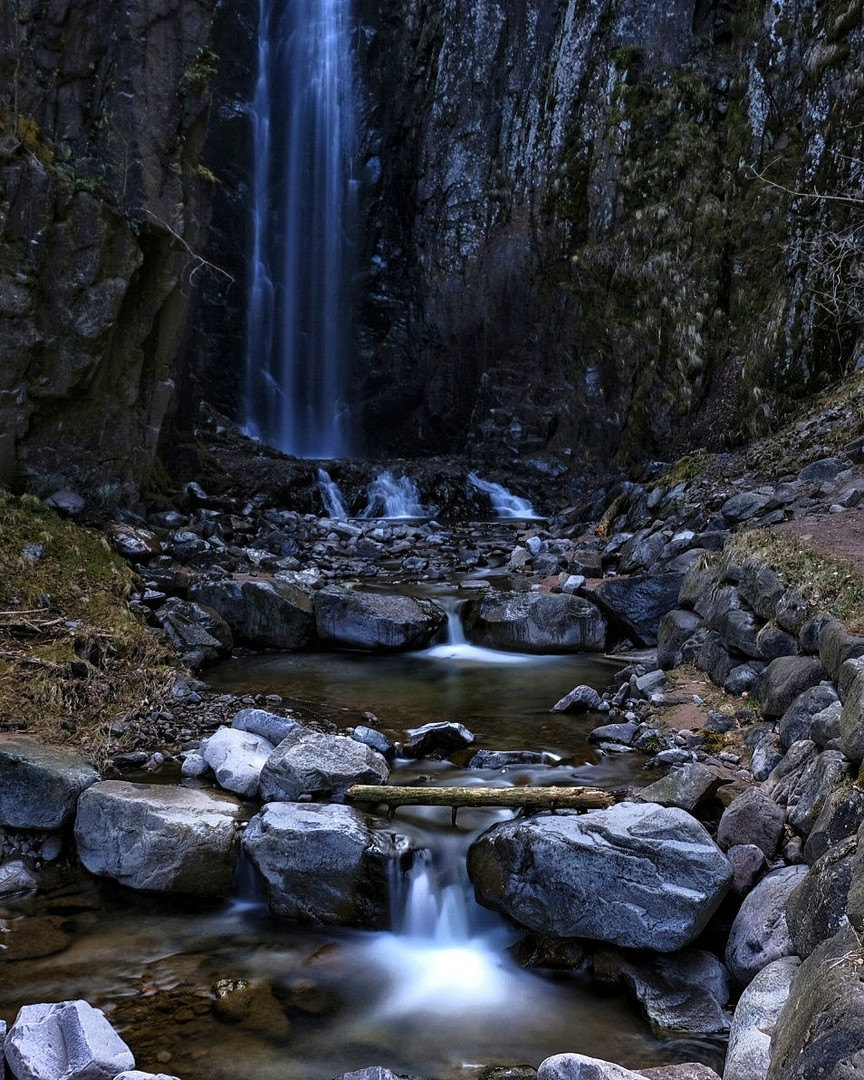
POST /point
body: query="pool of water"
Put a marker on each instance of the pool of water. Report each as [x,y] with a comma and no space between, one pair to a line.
[222,991]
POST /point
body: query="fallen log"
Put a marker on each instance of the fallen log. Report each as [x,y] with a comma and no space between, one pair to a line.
[534,798]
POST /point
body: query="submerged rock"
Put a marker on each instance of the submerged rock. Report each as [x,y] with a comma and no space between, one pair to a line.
[636,875]
[535,623]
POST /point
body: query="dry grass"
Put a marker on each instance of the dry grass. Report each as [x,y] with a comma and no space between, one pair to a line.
[827,581]
[74,660]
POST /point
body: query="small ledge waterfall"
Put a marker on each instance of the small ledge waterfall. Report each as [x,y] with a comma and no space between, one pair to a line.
[302,229]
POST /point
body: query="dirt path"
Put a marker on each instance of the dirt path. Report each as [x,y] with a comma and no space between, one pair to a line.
[842,534]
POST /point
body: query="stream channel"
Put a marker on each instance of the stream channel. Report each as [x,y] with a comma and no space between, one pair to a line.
[440,994]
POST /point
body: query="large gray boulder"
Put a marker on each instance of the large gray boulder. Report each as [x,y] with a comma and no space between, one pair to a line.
[820,1032]
[759,933]
[755,1020]
[784,679]
[270,726]
[637,875]
[321,864]
[68,1040]
[638,604]
[676,627]
[40,786]
[376,622]
[535,623]
[267,614]
[309,763]
[158,837]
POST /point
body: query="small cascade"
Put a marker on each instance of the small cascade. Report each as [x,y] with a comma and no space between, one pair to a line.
[504,503]
[445,951]
[334,504]
[392,498]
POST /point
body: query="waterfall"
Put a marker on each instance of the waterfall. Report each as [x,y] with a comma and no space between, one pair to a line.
[302,225]
[505,504]
[392,498]
[331,496]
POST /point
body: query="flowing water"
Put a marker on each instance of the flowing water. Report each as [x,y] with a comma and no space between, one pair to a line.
[302,220]
[504,503]
[439,995]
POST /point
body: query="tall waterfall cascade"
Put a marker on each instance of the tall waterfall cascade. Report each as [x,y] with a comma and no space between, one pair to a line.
[303,214]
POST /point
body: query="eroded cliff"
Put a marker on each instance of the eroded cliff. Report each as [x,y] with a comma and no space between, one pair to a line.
[103,111]
[597,224]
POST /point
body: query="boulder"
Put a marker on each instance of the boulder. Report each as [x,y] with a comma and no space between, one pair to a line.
[761,588]
[637,875]
[158,837]
[791,612]
[40,786]
[841,816]
[269,726]
[713,658]
[16,877]
[796,720]
[825,726]
[690,787]
[580,699]
[739,631]
[199,632]
[752,818]
[638,604]
[744,506]
[535,623]
[321,864]
[784,679]
[237,758]
[852,717]
[747,862]
[772,642]
[676,627]
[375,622]
[265,614]
[437,740]
[581,1067]
[820,1031]
[837,645]
[309,763]
[820,777]
[68,1040]
[755,1020]
[683,992]
[816,908]
[784,778]
[759,933]
[743,678]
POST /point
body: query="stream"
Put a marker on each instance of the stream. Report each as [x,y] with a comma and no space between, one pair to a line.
[215,991]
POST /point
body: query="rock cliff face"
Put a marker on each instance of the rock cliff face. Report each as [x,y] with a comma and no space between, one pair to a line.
[103,112]
[592,225]
[595,229]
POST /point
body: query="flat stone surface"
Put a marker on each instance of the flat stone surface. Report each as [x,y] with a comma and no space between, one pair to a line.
[40,786]
[158,837]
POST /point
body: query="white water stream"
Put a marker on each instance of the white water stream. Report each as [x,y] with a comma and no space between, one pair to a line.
[302,220]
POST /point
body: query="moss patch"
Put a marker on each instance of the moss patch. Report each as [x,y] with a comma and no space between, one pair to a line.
[75,663]
[830,583]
